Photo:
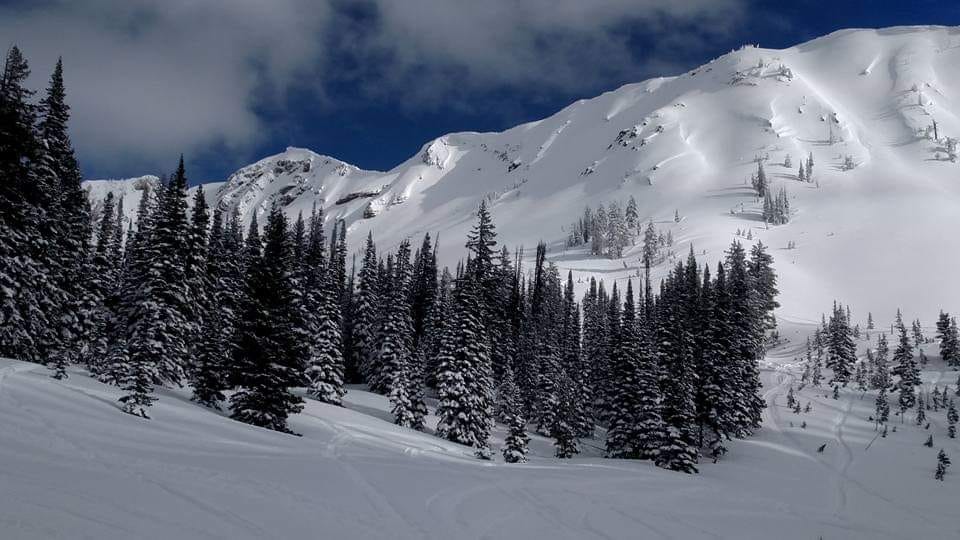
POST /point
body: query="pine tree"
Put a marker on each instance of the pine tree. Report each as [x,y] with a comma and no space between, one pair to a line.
[69,226]
[224,280]
[906,368]
[635,424]
[366,307]
[396,329]
[325,371]
[507,398]
[266,365]
[28,296]
[746,323]
[563,430]
[515,445]
[463,381]
[679,450]
[921,411]
[943,463]
[165,310]
[952,418]
[760,183]
[881,373]
[632,216]
[764,280]
[882,408]
[842,353]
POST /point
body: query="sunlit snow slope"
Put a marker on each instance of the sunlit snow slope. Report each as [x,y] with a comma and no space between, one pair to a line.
[878,236]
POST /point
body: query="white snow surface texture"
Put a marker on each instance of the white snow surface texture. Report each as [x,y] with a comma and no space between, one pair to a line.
[877,237]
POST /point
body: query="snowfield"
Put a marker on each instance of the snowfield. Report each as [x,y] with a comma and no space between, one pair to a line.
[877,237]
[74,466]
[689,143]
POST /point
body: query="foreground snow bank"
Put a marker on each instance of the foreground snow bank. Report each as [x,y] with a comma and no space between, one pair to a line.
[71,465]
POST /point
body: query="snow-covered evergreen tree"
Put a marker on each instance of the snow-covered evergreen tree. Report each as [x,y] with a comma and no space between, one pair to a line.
[266,365]
[943,463]
[515,445]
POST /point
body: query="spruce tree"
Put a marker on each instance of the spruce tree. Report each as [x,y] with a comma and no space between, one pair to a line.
[746,323]
[265,365]
[325,370]
[366,308]
[952,418]
[28,299]
[679,450]
[563,430]
[882,407]
[943,463]
[635,425]
[906,367]
[515,445]
[464,389]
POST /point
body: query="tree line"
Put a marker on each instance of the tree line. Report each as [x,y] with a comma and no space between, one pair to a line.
[248,319]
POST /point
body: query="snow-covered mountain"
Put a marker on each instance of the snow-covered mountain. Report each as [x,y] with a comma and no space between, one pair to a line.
[871,235]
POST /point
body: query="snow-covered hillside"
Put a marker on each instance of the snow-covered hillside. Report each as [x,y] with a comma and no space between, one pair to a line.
[73,466]
[689,143]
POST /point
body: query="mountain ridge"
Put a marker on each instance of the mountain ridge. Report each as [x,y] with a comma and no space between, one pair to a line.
[861,102]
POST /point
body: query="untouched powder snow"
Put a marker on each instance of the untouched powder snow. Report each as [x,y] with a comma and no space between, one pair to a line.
[690,146]
[72,466]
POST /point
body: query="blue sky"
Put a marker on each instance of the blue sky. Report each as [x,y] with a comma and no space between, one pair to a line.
[227,82]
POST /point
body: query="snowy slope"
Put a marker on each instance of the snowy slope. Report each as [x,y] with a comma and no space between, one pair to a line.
[72,466]
[689,143]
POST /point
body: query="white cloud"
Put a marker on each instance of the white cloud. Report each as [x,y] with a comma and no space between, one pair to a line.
[148,79]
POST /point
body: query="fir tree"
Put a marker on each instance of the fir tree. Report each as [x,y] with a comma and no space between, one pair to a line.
[563,430]
[366,307]
[840,346]
[464,392]
[906,368]
[943,463]
[265,364]
[882,408]
[515,445]
[634,410]
[952,418]
[325,372]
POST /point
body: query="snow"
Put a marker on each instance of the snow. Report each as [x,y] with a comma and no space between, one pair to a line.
[857,231]
[74,466]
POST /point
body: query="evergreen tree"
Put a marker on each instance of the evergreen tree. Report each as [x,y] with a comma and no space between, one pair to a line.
[165,310]
[265,362]
[943,463]
[881,373]
[366,308]
[325,372]
[842,352]
[563,430]
[675,344]
[635,425]
[68,226]
[632,216]
[764,282]
[746,323]
[209,376]
[882,407]
[28,296]
[515,445]
[906,368]
[952,418]
[463,379]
